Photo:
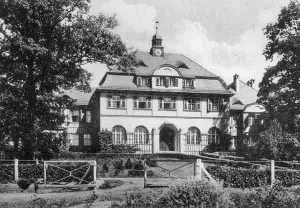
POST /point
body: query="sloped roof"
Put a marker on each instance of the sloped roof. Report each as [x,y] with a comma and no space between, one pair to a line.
[147,64]
[82,98]
[246,95]
[126,83]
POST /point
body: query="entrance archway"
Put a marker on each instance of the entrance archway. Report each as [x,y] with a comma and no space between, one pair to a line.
[168,138]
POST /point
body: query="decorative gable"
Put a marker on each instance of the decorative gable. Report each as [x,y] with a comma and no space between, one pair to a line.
[167,71]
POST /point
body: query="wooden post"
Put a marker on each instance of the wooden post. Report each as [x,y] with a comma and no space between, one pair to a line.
[272,172]
[45,172]
[197,169]
[95,170]
[145,174]
[16,166]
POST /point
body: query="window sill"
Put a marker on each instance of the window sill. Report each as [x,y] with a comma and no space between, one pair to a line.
[116,108]
[216,111]
[147,109]
[167,109]
[191,110]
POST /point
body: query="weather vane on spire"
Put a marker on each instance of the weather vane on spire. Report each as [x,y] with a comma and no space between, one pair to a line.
[156,27]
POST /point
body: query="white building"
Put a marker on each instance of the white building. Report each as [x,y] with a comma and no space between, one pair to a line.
[167,103]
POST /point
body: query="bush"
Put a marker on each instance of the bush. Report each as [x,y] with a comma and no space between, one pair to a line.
[249,178]
[119,166]
[6,173]
[128,164]
[24,183]
[195,194]
[111,184]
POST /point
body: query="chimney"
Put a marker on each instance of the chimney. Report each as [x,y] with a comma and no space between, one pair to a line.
[250,82]
[236,82]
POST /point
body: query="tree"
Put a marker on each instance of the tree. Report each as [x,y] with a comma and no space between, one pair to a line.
[275,143]
[44,45]
[280,86]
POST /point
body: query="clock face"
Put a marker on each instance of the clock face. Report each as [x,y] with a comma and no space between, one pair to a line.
[158,52]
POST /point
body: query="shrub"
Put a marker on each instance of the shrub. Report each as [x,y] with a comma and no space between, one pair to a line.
[249,178]
[195,194]
[128,164]
[138,169]
[24,183]
[105,167]
[119,166]
[111,184]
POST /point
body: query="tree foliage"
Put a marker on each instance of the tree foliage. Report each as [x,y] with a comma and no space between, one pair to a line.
[280,86]
[44,45]
[275,143]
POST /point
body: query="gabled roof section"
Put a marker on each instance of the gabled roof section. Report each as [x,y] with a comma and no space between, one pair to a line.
[148,63]
[245,95]
[82,98]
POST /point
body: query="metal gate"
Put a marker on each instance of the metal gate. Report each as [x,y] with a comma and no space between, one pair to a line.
[70,174]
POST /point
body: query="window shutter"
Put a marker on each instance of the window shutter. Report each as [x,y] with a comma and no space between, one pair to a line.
[167,81]
[123,103]
[173,104]
[160,103]
[157,81]
[176,82]
[209,105]
[198,105]
[139,81]
[135,102]
[109,102]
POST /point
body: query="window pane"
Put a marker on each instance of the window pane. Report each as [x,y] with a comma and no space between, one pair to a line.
[74,139]
[88,116]
[87,140]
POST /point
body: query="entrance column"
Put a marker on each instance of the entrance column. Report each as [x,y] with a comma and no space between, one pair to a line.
[181,141]
[155,140]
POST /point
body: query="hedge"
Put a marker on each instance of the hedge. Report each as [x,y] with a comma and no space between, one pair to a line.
[34,171]
[249,178]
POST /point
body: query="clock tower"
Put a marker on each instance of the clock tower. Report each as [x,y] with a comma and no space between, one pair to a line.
[157,49]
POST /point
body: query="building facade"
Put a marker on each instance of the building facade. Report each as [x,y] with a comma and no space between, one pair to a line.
[167,103]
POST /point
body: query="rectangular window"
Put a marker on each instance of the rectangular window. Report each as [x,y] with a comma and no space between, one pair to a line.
[142,102]
[88,116]
[167,81]
[188,83]
[214,104]
[116,102]
[87,140]
[143,81]
[75,115]
[173,82]
[161,81]
[191,104]
[74,139]
[167,103]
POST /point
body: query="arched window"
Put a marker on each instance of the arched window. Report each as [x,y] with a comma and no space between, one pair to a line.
[214,135]
[119,135]
[141,135]
[193,136]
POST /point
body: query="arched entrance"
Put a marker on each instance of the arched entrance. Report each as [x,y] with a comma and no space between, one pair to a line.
[168,138]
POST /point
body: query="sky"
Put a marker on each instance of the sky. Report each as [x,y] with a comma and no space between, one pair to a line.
[224,36]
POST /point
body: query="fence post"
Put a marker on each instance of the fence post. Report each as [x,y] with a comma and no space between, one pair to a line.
[36,161]
[272,172]
[45,172]
[145,174]
[16,166]
[95,170]
[197,169]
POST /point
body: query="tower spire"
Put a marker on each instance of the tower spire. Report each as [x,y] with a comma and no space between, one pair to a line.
[156,28]
[157,48]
